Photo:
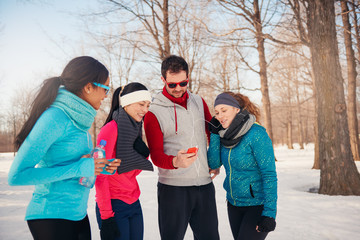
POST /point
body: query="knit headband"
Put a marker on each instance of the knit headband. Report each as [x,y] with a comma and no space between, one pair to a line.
[226,99]
[133,97]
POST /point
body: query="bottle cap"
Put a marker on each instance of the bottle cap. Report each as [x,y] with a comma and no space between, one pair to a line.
[103,143]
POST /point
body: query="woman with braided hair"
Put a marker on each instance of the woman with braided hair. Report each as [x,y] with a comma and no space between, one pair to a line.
[242,146]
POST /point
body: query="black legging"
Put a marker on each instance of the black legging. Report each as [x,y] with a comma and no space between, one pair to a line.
[243,221]
[60,229]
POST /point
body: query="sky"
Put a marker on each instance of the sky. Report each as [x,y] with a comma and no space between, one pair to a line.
[30,40]
[38,38]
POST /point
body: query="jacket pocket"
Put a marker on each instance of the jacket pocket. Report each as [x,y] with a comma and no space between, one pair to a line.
[251,192]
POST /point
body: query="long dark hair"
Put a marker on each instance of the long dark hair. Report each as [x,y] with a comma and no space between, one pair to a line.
[77,73]
[115,102]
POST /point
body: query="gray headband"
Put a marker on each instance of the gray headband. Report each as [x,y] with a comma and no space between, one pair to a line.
[226,99]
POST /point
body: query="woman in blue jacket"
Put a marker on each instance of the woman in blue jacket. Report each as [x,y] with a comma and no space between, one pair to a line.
[245,150]
[53,150]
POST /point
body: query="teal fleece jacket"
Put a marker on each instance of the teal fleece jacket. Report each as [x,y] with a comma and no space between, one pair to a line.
[250,170]
[50,159]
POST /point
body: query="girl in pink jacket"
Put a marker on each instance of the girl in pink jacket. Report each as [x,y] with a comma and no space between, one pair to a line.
[118,208]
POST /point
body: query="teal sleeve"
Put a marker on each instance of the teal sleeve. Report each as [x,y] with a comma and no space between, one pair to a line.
[46,131]
[265,159]
[213,153]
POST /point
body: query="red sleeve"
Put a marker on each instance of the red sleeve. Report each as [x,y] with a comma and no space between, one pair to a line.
[155,139]
[208,117]
[103,197]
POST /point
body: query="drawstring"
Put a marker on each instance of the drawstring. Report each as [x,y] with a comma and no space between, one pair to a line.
[175,119]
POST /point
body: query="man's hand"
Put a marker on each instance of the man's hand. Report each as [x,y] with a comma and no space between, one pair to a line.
[214,173]
[183,159]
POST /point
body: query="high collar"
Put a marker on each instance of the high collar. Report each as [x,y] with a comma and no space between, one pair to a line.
[182,101]
[81,113]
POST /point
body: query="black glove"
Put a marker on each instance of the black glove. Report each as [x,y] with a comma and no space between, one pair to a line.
[215,126]
[266,224]
[109,229]
[141,147]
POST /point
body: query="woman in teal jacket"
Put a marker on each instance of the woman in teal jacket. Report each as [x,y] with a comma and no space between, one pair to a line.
[245,150]
[53,150]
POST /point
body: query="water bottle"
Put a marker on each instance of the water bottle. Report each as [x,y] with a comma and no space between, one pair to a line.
[97,152]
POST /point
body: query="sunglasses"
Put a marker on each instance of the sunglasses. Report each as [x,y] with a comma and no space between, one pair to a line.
[107,89]
[181,84]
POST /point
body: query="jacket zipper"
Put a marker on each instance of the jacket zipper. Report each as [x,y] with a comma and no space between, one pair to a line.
[231,193]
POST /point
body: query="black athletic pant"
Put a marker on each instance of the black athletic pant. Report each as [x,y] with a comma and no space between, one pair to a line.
[243,221]
[180,206]
[60,229]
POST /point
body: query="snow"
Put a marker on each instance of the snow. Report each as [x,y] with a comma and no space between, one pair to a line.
[301,214]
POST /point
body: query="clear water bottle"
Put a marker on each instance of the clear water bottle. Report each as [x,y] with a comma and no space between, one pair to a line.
[97,152]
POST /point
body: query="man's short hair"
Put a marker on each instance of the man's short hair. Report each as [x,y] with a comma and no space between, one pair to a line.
[174,64]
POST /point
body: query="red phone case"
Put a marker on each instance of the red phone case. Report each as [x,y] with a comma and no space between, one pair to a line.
[192,150]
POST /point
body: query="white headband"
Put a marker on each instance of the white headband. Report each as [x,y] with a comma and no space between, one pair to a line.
[137,96]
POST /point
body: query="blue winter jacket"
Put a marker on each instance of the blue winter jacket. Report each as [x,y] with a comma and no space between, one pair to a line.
[250,169]
[50,159]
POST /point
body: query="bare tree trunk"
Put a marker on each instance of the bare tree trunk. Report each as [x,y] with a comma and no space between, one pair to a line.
[339,175]
[316,164]
[289,133]
[165,10]
[316,127]
[94,132]
[263,70]
[351,70]
[14,147]
[300,124]
[357,28]
[289,114]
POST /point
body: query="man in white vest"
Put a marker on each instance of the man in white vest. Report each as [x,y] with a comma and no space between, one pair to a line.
[176,122]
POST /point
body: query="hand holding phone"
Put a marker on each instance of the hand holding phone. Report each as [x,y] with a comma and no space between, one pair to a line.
[104,168]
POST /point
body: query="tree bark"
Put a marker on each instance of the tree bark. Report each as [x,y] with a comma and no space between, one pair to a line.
[351,71]
[357,28]
[300,123]
[289,114]
[316,127]
[94,132]
[263,69]
[166,30]
[338,175]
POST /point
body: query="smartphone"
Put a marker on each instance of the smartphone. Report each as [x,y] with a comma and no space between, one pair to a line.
[192,150]
[106,172]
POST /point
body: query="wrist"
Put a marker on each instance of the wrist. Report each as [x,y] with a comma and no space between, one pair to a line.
[173,162]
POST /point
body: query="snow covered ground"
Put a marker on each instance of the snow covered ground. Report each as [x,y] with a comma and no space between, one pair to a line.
[301,215]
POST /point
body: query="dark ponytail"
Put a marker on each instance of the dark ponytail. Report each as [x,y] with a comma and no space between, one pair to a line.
[115,103]
[46,95]
[121,91]
[77,73]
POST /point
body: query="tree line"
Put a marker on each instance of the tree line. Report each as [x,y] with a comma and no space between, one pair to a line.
[300,56]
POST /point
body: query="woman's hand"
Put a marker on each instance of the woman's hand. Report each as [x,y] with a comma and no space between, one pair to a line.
[112,166]
[266,224]
[100,163]
[214,173]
